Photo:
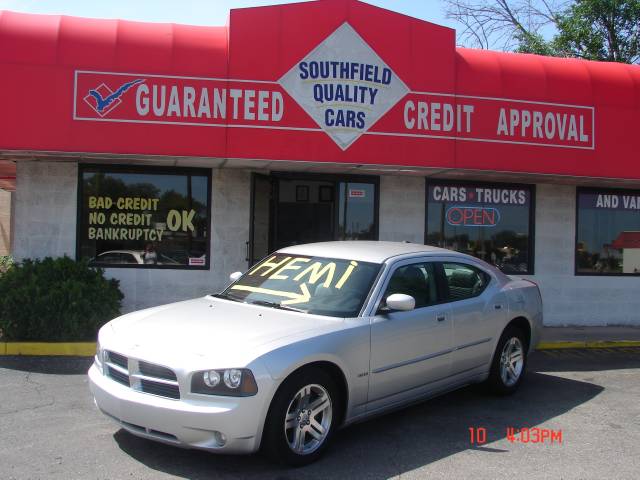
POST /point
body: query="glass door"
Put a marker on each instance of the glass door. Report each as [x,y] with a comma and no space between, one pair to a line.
[305,212]
[292,209]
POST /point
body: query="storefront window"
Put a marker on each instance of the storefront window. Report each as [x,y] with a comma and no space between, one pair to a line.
[608,232]
[491,222]
[147,218]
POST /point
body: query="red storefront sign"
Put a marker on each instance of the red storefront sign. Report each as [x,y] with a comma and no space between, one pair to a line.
[197,102]
[328,81]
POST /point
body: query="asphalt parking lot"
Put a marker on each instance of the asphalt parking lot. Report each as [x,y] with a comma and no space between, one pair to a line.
[50,429]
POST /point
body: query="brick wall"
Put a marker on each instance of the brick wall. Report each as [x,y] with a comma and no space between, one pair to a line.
[402,209]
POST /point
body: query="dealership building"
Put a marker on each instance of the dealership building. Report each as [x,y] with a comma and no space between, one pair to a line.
[173,155]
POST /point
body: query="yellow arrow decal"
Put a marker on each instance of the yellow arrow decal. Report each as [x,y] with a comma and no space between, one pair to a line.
[305,296]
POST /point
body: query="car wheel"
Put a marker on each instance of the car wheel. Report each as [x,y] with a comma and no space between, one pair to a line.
[302,418]
[509,362]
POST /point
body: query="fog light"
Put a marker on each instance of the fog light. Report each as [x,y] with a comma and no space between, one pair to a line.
[233,378]
[220,438]
[211,378]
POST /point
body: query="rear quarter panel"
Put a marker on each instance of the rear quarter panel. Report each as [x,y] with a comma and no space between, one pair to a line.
[524,300]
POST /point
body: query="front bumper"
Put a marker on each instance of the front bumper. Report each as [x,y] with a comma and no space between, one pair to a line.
[190,423]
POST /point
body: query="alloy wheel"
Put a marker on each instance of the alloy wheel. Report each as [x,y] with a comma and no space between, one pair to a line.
[511,361]
[308,419]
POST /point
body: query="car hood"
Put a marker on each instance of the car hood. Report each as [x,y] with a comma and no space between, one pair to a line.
[230,333]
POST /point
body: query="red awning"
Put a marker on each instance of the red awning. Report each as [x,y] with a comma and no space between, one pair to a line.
[627,240]
[509,112]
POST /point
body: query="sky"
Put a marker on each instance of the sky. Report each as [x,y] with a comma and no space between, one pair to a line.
[195,12]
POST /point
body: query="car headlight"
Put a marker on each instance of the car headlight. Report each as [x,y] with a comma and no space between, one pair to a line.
[230,382]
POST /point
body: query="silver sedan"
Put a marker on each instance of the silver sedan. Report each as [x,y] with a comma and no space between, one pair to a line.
[313,338]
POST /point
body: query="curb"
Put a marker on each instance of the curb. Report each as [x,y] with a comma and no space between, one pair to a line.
[587,344]
[71,349]
[88,349]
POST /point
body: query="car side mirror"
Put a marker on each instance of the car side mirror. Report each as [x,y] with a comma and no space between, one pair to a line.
[400,302]
[235,276]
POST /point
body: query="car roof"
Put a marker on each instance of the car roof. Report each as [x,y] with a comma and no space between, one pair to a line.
[363,251]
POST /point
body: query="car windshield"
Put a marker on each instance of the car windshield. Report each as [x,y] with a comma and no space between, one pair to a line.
[316,285]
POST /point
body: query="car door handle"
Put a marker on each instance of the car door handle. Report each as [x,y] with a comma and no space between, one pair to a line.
[497,306]
[441,318]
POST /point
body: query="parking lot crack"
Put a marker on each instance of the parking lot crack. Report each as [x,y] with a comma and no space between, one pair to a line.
[41,397]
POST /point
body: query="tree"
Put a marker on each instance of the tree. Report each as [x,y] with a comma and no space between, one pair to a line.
[600,30]
[592,29]
[504,24]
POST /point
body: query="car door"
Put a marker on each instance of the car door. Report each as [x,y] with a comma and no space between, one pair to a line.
[410,349]
[477,312]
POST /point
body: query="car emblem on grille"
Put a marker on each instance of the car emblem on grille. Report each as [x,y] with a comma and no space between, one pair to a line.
[344,86]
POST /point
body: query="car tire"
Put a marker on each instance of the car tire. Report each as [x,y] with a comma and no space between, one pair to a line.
[509,362]
[295,435]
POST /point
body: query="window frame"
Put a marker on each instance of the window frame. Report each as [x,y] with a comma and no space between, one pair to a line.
[150,170]
[532,211]
[614,191]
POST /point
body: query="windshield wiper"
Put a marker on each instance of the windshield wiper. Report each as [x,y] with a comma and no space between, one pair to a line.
[226,296]
[265,303]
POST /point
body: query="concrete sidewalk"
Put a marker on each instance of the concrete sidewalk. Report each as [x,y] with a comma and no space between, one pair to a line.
[589,337]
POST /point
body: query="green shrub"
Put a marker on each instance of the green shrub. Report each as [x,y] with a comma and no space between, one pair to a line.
[56,300]
[5,263]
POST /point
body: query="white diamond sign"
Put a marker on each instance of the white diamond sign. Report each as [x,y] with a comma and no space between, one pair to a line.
[344,86]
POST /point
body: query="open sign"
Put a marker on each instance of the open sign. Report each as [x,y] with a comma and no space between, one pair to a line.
[461,216]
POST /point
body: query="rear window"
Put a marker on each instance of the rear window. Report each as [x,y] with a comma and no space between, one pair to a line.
[464,281]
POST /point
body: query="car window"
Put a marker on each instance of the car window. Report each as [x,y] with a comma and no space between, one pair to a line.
[464,281]
[109,258]
[128,258]
[417,280]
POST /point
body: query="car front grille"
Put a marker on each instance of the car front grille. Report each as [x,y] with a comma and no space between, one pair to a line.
[118,359]
[142,376]
[163,390]
[152,370]
[118,376]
